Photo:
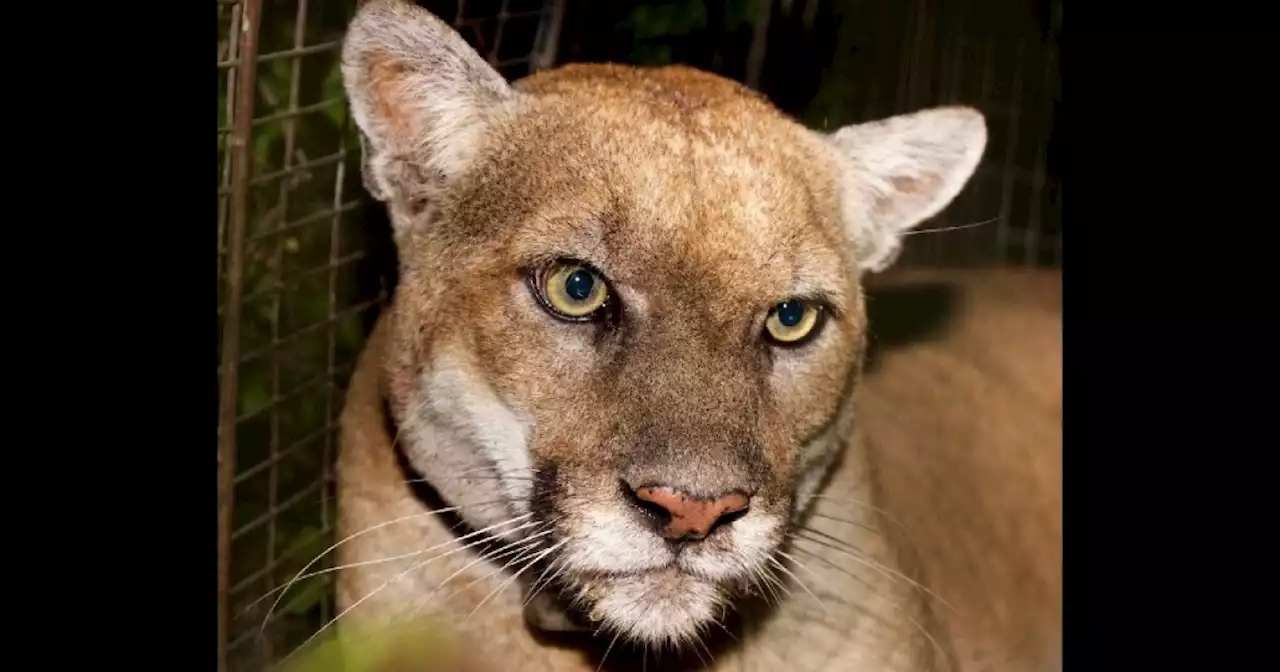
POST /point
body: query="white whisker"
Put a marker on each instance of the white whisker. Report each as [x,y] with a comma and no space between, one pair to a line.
[895,607]
[357,603]
[523,546]
[696,652]
[607,650]
[771,583]
[514,576]
[262,632]
[800,583]
[866,526]
[414,554]
[887,571]
[869,507]
[538,585]
[952,228]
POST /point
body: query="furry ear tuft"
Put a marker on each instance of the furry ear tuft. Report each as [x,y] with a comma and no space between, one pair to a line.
[420,95]
[898,172]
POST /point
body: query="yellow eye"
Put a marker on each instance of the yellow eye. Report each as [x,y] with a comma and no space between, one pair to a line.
[574,291]
[791,321]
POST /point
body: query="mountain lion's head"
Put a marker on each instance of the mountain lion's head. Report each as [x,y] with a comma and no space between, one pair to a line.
[629,303]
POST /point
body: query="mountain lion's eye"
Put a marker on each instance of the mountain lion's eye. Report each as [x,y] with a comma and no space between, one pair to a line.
[573,291]
[792,321]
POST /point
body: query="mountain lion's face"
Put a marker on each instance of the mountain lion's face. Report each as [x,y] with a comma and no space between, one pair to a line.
[629,305]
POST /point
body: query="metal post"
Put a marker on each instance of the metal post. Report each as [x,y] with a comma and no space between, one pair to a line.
[238,144]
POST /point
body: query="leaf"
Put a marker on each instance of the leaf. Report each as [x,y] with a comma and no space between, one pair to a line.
[423,646]
[253,397]
[263,142]
[306,543]
[331,89]
[309,596]
[350,333]
[309,537]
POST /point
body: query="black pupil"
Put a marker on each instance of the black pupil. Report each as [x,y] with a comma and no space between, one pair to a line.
[790,313]
[578,285]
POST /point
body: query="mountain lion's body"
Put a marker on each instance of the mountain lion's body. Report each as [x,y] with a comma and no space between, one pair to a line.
[626,350]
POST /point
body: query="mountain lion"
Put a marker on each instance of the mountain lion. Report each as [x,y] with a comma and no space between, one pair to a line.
[615,414]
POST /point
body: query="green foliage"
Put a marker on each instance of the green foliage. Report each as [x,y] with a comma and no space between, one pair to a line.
[310,596]
[425,646]
[308,542]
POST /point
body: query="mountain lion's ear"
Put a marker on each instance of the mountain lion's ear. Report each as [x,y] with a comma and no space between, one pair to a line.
[420,95]
[898,172]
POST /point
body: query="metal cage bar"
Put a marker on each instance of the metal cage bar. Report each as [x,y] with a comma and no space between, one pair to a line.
[246,29]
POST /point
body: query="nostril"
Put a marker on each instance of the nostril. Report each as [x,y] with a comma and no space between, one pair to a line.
[680,515]
[727,519]
[660,515]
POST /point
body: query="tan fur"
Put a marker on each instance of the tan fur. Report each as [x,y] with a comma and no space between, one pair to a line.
[703,207]
[964,432]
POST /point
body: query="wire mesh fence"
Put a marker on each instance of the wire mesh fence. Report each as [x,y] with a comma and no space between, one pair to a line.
[294,294]
[298,264]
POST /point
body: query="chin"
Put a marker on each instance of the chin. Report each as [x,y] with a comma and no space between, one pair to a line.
[665,607]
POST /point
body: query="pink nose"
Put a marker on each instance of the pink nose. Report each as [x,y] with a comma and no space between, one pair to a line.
[680,516]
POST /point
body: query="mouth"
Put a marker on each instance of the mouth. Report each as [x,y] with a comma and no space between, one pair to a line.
[664,606]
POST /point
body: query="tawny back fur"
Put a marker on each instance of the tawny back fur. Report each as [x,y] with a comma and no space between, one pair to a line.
[964,432]
[697,214]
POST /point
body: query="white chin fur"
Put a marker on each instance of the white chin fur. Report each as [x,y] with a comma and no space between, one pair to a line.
[667,607]
[670,599]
